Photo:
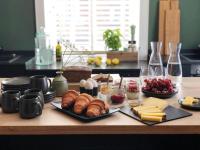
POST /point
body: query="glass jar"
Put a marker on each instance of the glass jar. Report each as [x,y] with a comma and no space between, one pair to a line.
[132,89]
[118,95]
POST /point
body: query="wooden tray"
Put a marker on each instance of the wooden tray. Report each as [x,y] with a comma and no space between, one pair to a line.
[83,117]
[172,113]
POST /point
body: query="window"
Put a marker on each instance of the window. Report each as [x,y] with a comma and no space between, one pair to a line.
[83,22]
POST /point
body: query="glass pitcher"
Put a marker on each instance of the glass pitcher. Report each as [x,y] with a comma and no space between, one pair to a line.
[155,67]
[174,67]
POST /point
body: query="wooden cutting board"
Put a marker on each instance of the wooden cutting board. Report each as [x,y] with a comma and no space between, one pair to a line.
[172,28]
[164,5]
[169,23]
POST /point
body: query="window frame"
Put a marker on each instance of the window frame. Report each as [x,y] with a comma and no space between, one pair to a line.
[144,25]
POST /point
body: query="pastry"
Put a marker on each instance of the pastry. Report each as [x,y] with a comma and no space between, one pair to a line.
[97,108]
[82,102]
[82,86]
[69,98]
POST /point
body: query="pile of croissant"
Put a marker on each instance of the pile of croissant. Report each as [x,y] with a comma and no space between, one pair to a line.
[82,103]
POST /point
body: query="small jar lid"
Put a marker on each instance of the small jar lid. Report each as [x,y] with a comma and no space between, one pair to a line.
[131,42]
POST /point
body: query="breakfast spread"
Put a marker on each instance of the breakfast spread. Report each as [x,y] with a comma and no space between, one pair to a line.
[81,103]
[189,101]
[152,109]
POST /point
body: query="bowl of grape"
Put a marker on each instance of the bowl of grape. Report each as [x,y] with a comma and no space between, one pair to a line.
[160,88]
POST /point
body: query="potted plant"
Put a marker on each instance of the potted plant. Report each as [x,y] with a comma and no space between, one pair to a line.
[112,39]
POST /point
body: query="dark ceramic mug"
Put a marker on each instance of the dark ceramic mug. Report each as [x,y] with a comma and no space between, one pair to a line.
[9,101]
[30,106]
[37,92]
[40,82]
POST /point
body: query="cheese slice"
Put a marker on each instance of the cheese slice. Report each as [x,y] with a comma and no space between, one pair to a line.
[153,110]
[151,118]
[153,114]
[141,108]
[161,104]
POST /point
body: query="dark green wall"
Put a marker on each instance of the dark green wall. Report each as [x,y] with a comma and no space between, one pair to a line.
[17,23]
[190,22]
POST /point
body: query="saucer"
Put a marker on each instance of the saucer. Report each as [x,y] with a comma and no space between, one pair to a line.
[49,96]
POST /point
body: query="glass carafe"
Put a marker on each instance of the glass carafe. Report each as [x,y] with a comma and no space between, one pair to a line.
[155,67]
[174,67]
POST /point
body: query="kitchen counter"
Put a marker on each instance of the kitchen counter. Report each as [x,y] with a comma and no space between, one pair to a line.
[124,68]
[53,122]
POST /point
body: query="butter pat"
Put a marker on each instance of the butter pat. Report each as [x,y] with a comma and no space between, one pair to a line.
[189,101]
[151,118]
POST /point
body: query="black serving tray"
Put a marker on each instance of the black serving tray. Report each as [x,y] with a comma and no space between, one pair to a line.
[162,96]
[193,107]
[172,113]
[83,117]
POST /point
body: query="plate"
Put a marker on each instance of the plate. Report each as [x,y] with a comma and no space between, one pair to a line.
[193,107]
[16,82]
[163,96]
[83,118]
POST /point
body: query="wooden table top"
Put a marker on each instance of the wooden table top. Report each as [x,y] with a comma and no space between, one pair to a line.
[54,122]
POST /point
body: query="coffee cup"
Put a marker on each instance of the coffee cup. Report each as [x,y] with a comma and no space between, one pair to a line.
[9,101]
[30,106]
[40,82]
[37,92]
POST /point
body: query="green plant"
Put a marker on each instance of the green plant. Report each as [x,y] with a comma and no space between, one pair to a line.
[112,39]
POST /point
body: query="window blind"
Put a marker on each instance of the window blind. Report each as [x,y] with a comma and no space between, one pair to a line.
[83,22]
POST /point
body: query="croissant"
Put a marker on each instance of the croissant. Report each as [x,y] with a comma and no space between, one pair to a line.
[82,102]
[69,98]
[97,108]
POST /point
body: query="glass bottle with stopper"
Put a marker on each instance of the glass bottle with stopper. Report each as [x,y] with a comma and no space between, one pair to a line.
[132,46]
[43,48]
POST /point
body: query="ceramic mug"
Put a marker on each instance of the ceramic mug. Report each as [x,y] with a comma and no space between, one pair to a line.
[30,106]
[9,102]
[40,82]
[37,92]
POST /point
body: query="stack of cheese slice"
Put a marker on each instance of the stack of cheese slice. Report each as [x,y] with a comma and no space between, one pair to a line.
[152,109]
[189,101]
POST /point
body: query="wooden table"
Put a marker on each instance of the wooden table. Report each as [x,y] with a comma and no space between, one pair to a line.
[55,123]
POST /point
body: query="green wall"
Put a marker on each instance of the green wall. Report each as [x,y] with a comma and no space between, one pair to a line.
[17,23]
[190,22]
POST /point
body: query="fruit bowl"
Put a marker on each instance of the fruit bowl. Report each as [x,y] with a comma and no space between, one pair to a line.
[163,96]
[160,88]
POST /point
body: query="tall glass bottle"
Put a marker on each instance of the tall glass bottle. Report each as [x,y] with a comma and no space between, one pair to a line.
[155,67]
[174,67]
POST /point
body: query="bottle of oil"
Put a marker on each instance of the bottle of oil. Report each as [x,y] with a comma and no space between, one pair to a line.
[58,52]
